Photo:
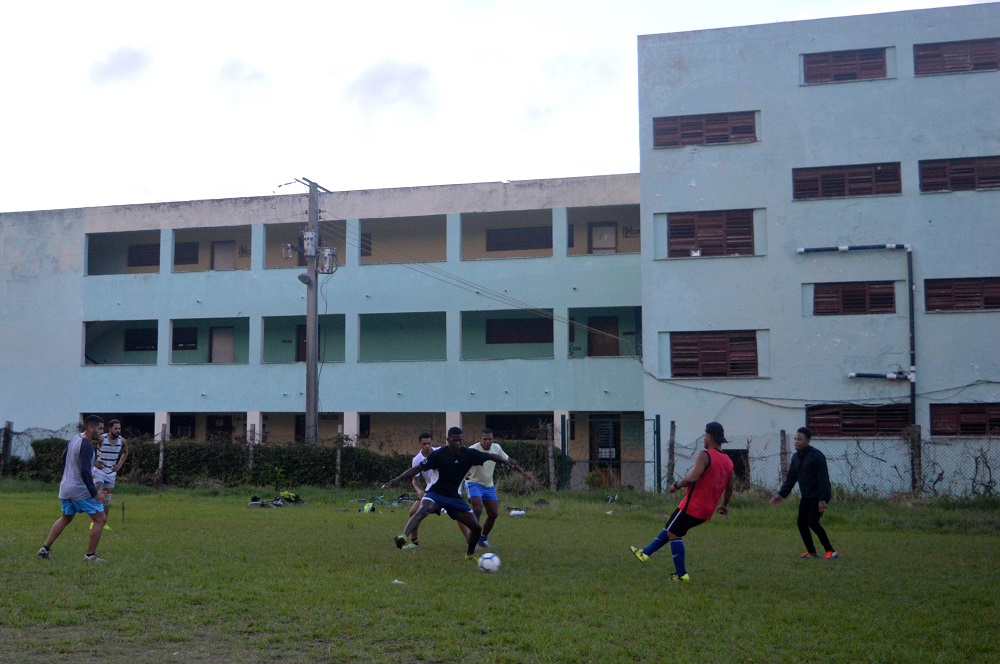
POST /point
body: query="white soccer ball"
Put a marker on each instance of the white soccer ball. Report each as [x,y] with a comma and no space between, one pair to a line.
[489,562]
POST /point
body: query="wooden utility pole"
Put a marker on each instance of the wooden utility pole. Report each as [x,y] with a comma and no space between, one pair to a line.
[312,317]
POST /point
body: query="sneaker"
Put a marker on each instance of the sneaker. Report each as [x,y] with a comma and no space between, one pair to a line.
[639,554]
[400,541]
[808,556]
[830,555]
[411,545]
[94,558]
[677,577]
[483,543]
[471,557]
[43,553]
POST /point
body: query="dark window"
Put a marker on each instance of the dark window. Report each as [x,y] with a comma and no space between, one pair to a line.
[716,233]
[182,425]
[956,57]
[518,239]
[962,294]
[143,255]
[186,253]
[185,338]
[570,232]
[300,343]
[841,181]
[713,354]
[965,419]
[364,425]
[850,420]
[140,339]
[518,331]
[366,244]
[960,174]
[711,129]
[844,65]
[858,297]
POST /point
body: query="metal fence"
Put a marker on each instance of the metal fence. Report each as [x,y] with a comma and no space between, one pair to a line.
[644,460]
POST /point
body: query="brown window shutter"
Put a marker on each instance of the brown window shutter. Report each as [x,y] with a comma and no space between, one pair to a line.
[844,65]
[706,129]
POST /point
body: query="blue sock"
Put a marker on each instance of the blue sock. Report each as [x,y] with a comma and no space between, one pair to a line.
[657,543]
[677,551]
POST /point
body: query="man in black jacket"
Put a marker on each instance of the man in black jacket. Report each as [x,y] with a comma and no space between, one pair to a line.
[808,468]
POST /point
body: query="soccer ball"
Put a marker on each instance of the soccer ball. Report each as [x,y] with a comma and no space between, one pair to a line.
[489,562]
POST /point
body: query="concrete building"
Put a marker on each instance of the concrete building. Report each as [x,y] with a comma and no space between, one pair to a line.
[507,305]
[759,141]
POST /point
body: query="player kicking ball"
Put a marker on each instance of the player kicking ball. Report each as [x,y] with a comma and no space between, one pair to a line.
[452,462]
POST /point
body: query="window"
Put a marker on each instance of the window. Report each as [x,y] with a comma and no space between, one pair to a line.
[965,419]
[140,339]
[570,233]
[717,233]
[713,354]
[841,181]
[850,420]
[186,253]
[185,338]
[366,244]
[518,331]
[143,255]
[710,129]
[518,239]
[960,174]
[962,294]
[956,57]
[860,297]
[837,66]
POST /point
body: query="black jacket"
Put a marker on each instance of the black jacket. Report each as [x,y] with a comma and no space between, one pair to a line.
[808,468]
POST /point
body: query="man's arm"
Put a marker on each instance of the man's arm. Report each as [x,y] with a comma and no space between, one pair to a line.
[724,507]
[413,470]
[700,465]
[510,461]
[790,480]
[823,479]
[87,466]
[124,455]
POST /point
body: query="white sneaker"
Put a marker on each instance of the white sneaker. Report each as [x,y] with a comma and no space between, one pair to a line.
[94,558]
[43,553]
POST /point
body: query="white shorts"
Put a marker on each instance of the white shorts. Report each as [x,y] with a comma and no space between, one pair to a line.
[103,480]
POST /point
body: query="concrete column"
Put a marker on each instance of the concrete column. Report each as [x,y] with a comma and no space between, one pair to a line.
[255,420]
[560,220]
[453,336]
[257,247]
[560,334]
[352,425]
[452,419]
[352,337]
[353,228]
[166,250]
[255,342]
[454,236]
[160,420]
[163,334]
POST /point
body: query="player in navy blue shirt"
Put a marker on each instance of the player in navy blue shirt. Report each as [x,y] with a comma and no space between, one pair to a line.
[452,462]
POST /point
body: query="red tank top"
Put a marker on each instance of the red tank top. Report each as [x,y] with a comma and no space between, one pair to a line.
[702,497]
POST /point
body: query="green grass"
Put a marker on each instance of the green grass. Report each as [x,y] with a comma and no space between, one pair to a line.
[195,576]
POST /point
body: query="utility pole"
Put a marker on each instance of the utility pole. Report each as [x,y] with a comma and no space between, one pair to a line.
[319,260]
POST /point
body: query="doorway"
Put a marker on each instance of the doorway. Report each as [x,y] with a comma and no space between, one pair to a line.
[224,255]
[222,346]
[602,336]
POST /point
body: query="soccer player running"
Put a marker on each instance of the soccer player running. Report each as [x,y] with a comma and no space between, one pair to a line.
[482,491]
[710,478]
[426,441]
[109,458]
[808,468]
[452,462]
[77,491]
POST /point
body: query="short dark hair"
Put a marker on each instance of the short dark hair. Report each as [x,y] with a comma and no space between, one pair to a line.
[424,436]
[487,430]
[454,431]
[805,432]
[113,422]
[92,420]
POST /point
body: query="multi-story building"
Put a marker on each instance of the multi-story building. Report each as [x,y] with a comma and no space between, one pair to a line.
[509,305]
[838,137]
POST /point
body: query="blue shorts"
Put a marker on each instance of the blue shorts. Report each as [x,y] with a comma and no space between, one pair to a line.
[88,506]
[477,490]
[453,506]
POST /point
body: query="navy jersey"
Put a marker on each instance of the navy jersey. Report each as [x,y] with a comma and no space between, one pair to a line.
[452,469]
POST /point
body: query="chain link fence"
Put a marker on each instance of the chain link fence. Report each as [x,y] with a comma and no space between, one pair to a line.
[628,459]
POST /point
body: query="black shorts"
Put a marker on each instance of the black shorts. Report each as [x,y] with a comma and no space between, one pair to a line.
[681,522]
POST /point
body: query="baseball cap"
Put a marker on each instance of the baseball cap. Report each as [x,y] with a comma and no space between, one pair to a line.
[718,433]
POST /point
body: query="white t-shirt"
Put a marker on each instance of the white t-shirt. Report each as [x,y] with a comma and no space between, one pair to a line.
[430,476]
[484,474]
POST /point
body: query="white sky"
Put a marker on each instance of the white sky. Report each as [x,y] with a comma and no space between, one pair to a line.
[107,103]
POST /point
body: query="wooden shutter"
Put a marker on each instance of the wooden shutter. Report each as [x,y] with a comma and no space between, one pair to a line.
[707,129]
[962,294]
[861,297]
[713,354]
[956,57]
[854,421]
[716,233]
[965,419]
[841,181]
[844,65]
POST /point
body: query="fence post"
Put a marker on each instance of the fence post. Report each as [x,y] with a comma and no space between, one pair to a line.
[251,439]
[552,455]
[783,458]
[671,451]
[659,454]
[336,476]
[916,460]
[8,432]
[566,471]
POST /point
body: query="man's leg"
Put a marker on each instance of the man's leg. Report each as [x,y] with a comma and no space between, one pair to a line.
[427,507]
[99,518]
[492,510]
[814,518]
[57,528]
[477,506]
[469,520]
[806,505]
[413,510]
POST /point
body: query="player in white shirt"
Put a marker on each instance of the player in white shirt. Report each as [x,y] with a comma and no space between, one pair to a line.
[479,484]
[430,477]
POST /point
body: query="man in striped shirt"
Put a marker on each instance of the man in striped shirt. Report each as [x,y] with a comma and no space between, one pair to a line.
[110,457]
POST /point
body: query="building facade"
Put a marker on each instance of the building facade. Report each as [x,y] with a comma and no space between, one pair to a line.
[799,181]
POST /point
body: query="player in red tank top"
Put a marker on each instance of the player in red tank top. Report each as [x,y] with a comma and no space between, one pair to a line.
[709,479]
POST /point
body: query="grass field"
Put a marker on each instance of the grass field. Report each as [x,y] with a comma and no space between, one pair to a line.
[196,576]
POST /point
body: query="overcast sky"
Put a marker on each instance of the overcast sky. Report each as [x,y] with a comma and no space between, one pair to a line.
[107,103]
